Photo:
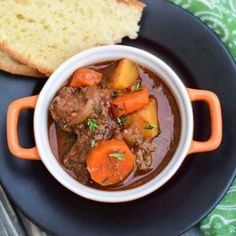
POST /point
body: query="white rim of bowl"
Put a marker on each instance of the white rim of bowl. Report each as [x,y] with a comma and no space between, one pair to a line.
[99,54]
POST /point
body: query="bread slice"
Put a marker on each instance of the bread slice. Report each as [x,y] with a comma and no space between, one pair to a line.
[43,34]
[12,66]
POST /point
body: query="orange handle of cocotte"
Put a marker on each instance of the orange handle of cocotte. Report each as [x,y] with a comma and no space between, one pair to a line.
[12,128]
[213,103]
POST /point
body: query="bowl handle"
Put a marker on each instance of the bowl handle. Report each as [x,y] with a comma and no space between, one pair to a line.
[12,124]
[216,120]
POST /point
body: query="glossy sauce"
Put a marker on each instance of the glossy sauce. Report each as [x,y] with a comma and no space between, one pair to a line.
[166,143]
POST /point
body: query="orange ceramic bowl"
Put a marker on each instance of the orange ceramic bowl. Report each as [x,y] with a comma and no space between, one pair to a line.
[184,97]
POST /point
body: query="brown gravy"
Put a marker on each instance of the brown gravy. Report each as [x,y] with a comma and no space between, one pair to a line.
[166,143]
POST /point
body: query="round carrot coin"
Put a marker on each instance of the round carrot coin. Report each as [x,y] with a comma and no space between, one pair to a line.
[110,162]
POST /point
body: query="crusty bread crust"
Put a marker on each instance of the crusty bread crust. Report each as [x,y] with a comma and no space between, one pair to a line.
[47,71]
[12,66]
[16,56]
[135,3]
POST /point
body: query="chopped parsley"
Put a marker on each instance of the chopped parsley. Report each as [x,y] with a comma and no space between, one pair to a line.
[92,143]
[96,109]
[106,180]
[116,93]
[150,126]
[117,155]
[71,138]
[121,108]
[121,120]
[92,124]
[138,86]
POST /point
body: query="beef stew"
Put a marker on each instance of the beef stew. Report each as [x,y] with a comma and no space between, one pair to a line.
[114,125]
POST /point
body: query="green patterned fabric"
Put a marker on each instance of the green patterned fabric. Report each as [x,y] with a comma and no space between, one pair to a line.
[222,220]
[220,16]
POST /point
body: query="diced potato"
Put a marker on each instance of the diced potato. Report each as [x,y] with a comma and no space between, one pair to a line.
[125,74]
[146,119]
[129,139]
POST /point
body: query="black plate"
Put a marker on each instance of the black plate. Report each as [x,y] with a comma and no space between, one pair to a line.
[201,61]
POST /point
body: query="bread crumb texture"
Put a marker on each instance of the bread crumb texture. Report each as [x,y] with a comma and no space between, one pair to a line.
[43,34]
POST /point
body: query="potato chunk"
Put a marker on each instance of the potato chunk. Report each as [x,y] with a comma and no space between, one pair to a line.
[125,74]
[146,119]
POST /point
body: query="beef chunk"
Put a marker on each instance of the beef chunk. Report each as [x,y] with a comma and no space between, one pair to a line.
[75,159]
[142,148]
[72,106]
[106,128]
[79,151]
[70,109]
[103,116]
[143,156]
[66,106]
[132,131]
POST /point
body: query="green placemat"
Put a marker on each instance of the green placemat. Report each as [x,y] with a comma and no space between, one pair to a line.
[220,16]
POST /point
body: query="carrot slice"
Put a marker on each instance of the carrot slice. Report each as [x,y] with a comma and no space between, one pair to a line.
[130,102]
[110,162]
[85,77]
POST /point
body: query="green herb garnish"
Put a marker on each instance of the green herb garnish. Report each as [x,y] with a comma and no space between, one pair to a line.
[119,107]
[138,86]
[105,180]
[117,155]
[116,93]
[150,126]
[121,120]
[92,124]
[70,138]
[92,143]
[96,109]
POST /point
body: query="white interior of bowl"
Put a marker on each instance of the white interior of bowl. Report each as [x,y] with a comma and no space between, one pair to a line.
[100,54]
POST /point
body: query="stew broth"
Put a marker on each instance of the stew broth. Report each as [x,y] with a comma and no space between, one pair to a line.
[166,142]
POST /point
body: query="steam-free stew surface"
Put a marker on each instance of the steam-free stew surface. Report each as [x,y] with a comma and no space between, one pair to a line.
[72,146]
